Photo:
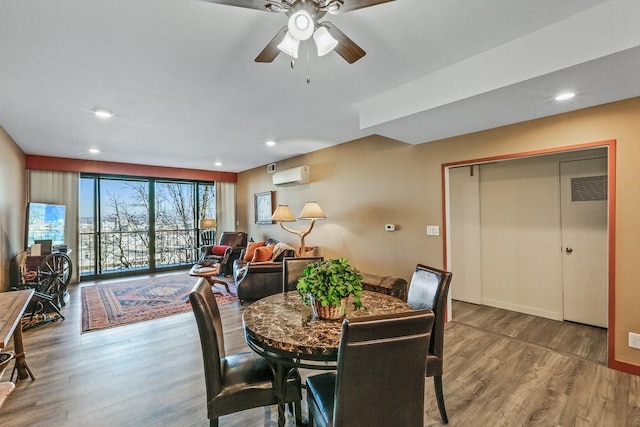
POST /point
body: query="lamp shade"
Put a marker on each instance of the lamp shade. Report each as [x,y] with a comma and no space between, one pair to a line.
[206,223]
[312,210]
[324,41]
[289,45]
[283,213]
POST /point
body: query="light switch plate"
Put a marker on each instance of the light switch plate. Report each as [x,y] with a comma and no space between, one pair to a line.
[634,340]
[433,230]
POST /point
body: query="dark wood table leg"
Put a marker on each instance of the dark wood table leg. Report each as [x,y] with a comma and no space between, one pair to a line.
[282,373]
[212,281]
[280,385]
[21,367]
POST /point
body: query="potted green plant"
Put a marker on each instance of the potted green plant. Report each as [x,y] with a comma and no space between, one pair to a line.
[327,285]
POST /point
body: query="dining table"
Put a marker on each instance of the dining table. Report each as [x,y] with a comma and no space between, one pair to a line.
[285,332]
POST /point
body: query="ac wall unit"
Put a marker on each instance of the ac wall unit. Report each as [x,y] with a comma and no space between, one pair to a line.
[293,176]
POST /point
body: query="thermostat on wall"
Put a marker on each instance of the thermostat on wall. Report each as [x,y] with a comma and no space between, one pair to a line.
[390,227]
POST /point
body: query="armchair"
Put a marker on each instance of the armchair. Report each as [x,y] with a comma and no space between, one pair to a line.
[228,250]
[238,241]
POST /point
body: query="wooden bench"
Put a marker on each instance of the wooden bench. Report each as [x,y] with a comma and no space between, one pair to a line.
[394,286]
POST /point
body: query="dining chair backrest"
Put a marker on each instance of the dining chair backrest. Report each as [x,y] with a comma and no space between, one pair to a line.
[380,372]
[428,289]
[293,269]
[205,309]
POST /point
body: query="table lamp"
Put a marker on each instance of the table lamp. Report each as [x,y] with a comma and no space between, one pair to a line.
[311,211]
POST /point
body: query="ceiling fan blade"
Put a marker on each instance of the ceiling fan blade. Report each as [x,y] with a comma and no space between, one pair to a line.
[271,50]
[350,5]
[263,5]
[346,47]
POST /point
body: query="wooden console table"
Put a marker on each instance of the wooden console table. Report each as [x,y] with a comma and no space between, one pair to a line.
[12,307]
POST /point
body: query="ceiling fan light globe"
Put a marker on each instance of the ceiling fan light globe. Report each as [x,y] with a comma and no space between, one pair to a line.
[289,45]
[301,24]
[325,42]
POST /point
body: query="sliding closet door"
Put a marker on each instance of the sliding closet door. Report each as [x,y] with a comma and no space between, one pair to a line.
[542,247]
[520,235]
[464,210]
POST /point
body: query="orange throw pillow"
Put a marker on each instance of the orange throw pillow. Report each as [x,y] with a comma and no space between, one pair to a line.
[251,248]
[262,254]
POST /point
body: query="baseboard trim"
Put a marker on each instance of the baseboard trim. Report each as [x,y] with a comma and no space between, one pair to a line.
[547,314]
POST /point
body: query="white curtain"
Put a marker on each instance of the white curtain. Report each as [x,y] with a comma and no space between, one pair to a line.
[61,188]
[225,207]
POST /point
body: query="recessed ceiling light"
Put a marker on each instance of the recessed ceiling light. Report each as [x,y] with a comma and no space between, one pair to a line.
[94,150]
[217,164]
[102,113]
[270,143]
[564,96]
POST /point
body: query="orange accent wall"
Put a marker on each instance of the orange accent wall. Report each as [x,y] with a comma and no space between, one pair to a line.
[92,166]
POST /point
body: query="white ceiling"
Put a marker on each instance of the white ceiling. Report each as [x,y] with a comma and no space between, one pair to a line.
[181,78]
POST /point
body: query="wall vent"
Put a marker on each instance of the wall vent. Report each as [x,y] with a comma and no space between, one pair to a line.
[589,188]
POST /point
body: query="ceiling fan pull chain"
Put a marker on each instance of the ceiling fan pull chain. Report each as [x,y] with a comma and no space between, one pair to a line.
[292,63]
[308,67]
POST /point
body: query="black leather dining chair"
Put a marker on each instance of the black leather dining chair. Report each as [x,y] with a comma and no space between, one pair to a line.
[293,269]
[234,382]
[428,289]
[380,374]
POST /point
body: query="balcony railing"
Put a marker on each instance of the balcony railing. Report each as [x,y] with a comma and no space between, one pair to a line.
[122,251]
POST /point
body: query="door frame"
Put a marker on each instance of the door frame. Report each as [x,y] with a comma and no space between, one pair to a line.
[611,208]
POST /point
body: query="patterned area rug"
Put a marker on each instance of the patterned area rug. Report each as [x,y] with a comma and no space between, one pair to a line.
[130,301]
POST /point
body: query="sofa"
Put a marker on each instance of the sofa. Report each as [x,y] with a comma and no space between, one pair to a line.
[257,277]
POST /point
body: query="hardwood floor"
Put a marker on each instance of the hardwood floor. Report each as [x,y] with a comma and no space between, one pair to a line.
[501,369]
[575,339]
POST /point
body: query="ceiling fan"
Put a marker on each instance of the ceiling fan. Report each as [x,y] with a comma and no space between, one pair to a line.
[303,24]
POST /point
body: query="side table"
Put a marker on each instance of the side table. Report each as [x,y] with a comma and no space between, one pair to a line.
[209,274]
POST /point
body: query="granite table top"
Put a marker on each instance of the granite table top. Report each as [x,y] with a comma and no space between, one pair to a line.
[281,324]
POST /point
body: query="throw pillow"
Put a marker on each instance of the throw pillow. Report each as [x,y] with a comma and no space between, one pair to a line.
[262,254]
[219,250]
[251,248]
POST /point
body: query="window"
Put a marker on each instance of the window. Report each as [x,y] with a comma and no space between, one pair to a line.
[140,225]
